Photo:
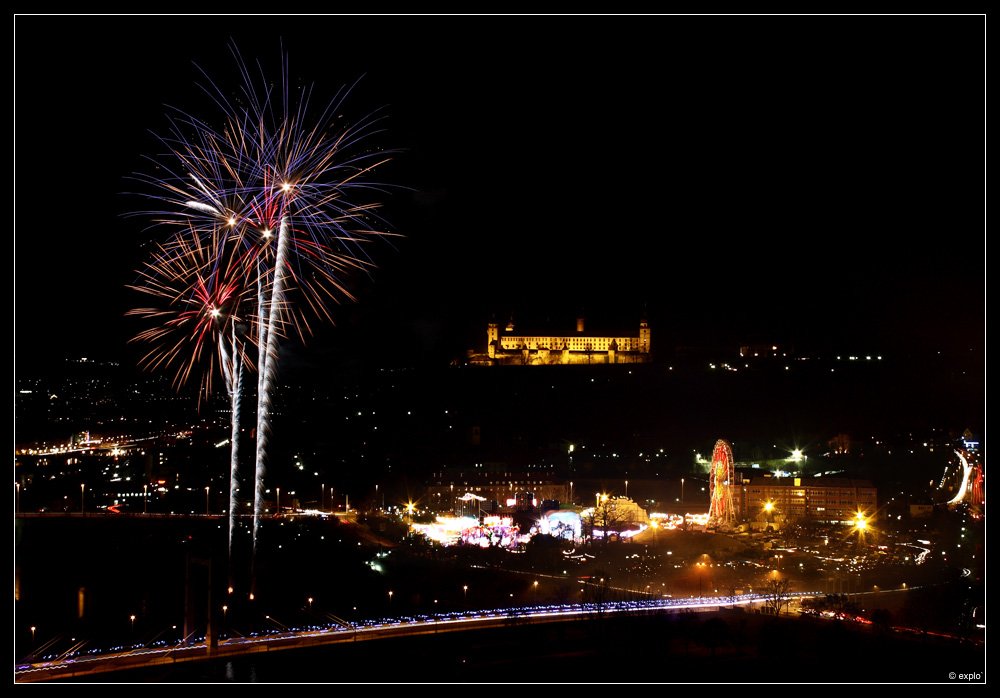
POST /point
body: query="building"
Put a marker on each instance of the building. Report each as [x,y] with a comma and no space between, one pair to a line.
[833,500]
[767,350]
[509,346]
[490,489]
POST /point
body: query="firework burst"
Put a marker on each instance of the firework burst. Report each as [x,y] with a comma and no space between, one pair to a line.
[276,184]
[200,290]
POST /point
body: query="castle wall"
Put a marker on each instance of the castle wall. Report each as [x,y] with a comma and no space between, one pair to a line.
[515,343]
[558,358]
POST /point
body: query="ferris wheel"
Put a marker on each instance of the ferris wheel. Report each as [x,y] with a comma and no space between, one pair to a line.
[721,481]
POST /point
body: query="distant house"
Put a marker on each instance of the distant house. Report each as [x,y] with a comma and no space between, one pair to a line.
[833,500]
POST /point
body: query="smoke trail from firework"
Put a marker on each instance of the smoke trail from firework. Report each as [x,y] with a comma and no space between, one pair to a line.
[233,368]
[270,353]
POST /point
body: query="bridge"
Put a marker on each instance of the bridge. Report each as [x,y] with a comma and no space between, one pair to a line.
[344,632]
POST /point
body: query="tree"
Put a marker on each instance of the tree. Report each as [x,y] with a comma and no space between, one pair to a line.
[714,633]
[776,593]
[599,594]
[882,619]
[732,586]
[687,626]
[543,552]
[607,516]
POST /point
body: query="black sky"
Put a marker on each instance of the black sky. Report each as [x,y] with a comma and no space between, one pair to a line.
[782,178]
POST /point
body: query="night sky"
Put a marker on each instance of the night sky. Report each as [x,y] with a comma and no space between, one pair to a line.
[807,180]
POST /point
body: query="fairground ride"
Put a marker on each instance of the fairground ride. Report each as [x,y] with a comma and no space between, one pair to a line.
[721,512]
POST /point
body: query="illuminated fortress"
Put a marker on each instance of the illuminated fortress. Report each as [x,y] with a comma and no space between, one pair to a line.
[509,348]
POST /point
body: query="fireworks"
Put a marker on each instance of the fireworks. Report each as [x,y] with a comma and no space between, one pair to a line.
[201,290]
[263,228]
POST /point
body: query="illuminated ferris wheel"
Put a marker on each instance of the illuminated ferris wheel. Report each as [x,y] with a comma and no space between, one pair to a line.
[721,481]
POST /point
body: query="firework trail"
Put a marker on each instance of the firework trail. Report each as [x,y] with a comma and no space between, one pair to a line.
[233,369]
[270,354]
[282,191]
[202,289]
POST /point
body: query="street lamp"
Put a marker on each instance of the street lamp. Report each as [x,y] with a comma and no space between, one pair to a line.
[81,497]
[206,502]
[859,522]
[766,514]
[465,594]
